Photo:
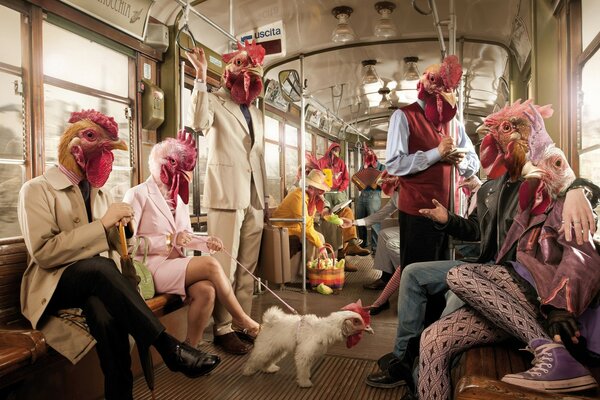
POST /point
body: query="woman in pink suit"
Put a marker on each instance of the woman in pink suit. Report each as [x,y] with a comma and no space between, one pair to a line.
[162,218]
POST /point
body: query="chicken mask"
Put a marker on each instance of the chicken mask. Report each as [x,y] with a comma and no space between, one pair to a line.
[505,145]
[357,307]
[436,88]
[369,157]
[171,163]
[243,73]
[389,183]
[85,147]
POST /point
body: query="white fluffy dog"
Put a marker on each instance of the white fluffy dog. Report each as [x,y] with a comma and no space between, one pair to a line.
[307,336]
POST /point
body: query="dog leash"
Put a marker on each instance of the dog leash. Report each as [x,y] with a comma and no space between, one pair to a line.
[253,276]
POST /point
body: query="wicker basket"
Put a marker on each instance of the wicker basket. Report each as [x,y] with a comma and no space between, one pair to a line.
[332,277]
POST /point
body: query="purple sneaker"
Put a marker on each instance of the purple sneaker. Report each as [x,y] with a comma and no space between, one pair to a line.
[554,370]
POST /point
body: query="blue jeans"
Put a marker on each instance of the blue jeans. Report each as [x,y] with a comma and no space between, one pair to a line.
[368,203]
[418,281]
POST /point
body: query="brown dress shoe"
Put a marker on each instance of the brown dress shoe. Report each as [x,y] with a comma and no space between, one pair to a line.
[352,249]
[231,344]
[375,285]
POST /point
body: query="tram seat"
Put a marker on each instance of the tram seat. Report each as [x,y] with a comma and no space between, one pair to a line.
[23,350]
[478,373]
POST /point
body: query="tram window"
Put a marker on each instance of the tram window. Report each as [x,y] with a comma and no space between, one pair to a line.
[291,135]
[12,124]
[271,128]
[273,173]
[589,159]
[308,141]
[321,146]
[291,165]
[590,9]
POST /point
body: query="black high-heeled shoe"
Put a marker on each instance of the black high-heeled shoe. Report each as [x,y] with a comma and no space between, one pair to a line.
[378,309]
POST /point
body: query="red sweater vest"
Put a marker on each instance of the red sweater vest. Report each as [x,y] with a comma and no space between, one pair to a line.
[417,190]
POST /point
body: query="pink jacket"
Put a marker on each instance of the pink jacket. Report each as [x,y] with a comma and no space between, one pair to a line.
[153,220]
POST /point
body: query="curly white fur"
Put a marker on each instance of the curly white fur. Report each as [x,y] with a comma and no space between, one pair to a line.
[307,336]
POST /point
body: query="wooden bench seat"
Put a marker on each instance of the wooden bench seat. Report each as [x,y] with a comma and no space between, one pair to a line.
[23,350]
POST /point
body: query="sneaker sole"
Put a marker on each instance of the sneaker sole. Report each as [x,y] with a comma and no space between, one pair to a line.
[387,385]
[565,385]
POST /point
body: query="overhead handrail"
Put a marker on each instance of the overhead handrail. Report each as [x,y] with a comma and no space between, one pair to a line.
[207,20]
[186,28]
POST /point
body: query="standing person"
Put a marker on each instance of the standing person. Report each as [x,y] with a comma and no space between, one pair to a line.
[420,149]
[336,196]
[68,223]
[234,188]
[163,219]
[369,200]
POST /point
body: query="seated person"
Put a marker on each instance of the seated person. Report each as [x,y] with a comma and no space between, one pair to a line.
[68,223]
[387,256]
[291,207]
[549,281]
[337,195]
[162,217]
[497,202]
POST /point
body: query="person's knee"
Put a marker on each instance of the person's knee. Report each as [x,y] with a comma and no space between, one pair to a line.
[203,291]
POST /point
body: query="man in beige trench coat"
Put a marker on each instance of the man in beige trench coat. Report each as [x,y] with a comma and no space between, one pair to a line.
[235,174]
[68,223]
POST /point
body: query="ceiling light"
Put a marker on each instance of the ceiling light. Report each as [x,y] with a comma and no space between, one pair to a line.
[370,75]
[342,32]
[385,28]
[385,102]
[411,71]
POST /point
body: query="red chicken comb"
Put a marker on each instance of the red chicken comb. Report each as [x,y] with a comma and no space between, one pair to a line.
[188,148]
[108,123]
[358,308]
[255,51]
[451,71]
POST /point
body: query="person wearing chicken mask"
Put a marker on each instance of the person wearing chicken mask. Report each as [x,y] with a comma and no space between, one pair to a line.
[68,223]
[420,150]
[234,187]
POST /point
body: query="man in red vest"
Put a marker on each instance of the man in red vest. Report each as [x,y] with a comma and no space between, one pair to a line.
[422,150]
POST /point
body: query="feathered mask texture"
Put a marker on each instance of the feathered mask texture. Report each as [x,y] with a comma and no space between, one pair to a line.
[369,157]
[243,73]
[436,88]
[505,145]
[366,317]
[389,183]
[170,163]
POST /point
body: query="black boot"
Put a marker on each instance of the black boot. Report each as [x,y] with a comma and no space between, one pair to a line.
[181,357]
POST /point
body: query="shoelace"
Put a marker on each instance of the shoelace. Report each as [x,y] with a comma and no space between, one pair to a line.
[542,358]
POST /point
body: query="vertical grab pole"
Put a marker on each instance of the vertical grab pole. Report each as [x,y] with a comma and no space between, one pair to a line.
[181,96]
[453,126]
[303,173]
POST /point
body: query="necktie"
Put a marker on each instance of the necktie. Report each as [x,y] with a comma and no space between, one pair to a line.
[84,186]
[248,117]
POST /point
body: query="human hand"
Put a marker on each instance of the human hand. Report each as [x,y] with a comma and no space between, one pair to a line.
[438,214]
[347,222]
[214,244]
[323,252]
[445,146]
[577,216]
[454,158]
[117,212]
[326,212]
[561,322]
[183,239]
[198,60]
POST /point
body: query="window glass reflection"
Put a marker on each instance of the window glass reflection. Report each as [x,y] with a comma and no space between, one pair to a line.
[590,118]
[291,135]
[291,165]
[12,178]
[273,173]
[10,32]
[271,128]
[11,119]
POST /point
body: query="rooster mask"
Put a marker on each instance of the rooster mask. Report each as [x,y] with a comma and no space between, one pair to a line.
[505,145]
[547,172]
[171,163]
[389,183]
[369,157]
[85,147]
[243,73]
[357,307]
[436,89]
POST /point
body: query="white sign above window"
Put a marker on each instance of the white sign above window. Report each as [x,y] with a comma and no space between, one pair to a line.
[271,37]
[130,16]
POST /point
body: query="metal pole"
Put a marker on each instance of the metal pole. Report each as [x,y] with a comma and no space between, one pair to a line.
[303,173]
[453,126]
[437,25]
[181,94]
[208,21]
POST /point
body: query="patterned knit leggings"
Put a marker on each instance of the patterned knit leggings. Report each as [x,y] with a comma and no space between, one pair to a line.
[492,294]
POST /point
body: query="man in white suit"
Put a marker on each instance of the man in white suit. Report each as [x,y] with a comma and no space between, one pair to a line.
[235,174]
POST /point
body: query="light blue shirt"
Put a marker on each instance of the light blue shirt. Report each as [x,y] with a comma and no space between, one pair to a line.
[399,162]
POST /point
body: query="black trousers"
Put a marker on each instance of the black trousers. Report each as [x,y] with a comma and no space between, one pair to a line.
[112,309]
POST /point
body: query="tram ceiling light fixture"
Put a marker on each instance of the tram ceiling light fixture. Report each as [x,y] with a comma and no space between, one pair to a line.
[370,75]
[385,102]
[411,71]
[385,28]
[343,32]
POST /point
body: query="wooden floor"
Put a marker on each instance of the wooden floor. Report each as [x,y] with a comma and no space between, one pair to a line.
[339,375]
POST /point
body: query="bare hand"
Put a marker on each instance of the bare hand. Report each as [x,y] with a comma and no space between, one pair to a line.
[445,146]
[183,239]
[326,212]
[323,252]
[117,212]
[438,214]
[198,60]
[214,244]
[454,158]
[347,222]
[578,216]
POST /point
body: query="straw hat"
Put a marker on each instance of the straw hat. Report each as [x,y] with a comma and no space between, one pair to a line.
[316,179]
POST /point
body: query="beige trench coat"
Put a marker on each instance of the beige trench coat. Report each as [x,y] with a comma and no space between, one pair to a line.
[54,224]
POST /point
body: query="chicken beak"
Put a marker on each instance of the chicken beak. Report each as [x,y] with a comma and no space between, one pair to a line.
[483,130]
[188,175]
[449,97]
[119,145]
[368,329]
[258,70]
[530,171]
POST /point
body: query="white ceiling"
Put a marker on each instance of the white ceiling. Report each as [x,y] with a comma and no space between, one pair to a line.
[484,29]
